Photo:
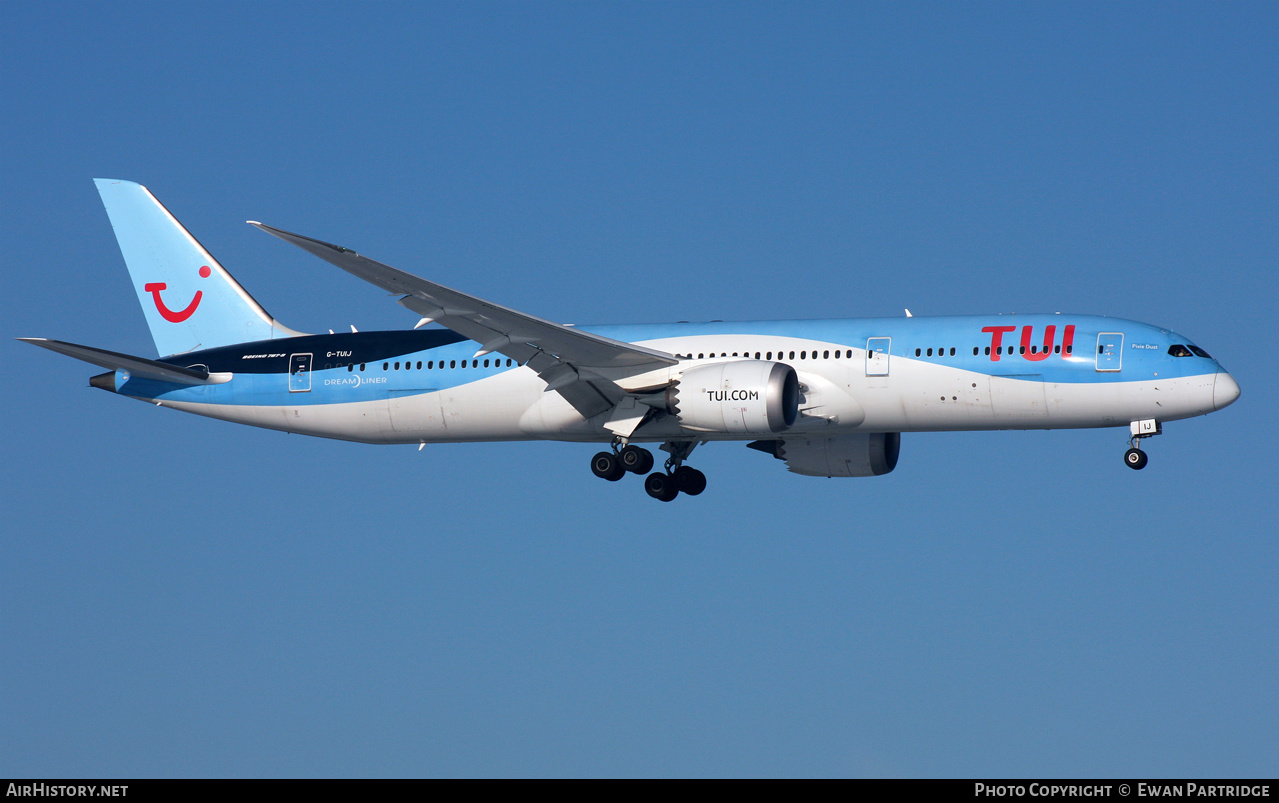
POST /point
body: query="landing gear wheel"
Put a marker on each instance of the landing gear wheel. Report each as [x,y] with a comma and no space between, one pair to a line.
[606,466]
[1135,458]
[689,480]
[636,460]
[661,486]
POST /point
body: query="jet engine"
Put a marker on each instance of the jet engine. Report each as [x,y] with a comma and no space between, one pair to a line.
[856,455]
[743,397]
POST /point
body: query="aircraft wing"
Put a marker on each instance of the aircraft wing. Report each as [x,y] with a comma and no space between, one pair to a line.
[137,366]
[565,357]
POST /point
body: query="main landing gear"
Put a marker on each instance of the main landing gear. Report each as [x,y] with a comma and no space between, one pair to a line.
[663,485]
[1135,458]
[612,466]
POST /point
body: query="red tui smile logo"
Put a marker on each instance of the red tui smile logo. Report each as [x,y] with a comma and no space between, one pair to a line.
[156,288]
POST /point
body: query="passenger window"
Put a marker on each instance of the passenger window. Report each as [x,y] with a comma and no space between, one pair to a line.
[919,352]
[361,366]
[952,351]
[385,365]
[826,355]
[452,363]
[930,352]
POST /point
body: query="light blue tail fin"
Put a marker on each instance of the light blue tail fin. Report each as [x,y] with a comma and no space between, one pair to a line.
[190,301]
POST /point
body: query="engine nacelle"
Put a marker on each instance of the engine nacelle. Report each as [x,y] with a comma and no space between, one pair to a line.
[856,455]
[742,397]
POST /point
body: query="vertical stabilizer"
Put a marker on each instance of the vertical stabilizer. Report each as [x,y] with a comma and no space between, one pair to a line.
[190,301]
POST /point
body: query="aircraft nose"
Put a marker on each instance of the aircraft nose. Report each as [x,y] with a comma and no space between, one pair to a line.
[1224,390]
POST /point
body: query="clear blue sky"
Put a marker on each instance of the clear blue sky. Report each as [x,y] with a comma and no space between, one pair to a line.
[181,596]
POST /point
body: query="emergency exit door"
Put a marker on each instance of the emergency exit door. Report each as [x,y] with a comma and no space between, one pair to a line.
[1110,351]
[299,373]
[877,352]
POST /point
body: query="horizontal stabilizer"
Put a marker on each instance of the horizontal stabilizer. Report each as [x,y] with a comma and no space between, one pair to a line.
[136,366]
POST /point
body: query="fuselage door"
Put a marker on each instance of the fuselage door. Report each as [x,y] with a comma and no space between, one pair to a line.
[1110,351]
[299,373]
[877,351]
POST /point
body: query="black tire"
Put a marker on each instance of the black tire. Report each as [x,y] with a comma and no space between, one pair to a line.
[661,486]
[606,466]
[1135,459]
[689,480]
[636,460]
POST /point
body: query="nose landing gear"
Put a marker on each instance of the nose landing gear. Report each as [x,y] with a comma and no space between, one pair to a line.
[1135,458]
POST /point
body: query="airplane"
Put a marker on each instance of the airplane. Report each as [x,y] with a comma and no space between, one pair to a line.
[830,398]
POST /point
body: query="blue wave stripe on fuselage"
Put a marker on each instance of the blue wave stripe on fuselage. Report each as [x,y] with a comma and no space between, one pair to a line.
[261,369]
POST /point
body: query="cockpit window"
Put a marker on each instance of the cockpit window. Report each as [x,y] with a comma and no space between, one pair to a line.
[1200,352]
[1179,350]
